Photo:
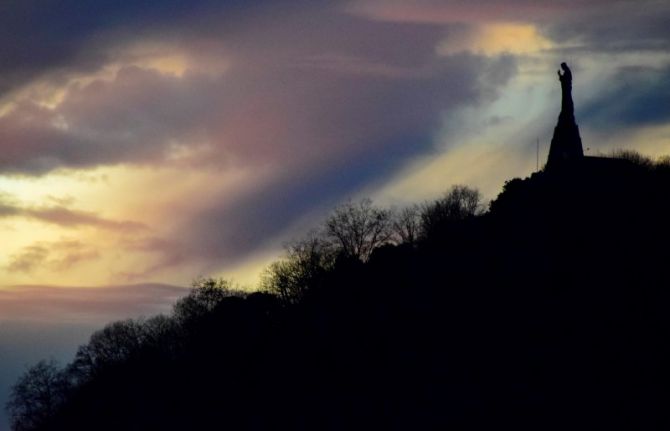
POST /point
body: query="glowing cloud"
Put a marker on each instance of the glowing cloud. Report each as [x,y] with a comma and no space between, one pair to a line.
[493,39]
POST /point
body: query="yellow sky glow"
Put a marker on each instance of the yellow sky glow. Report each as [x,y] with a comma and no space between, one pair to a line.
[492,39]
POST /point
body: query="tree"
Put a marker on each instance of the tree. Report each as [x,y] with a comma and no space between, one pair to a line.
[406,224]
[356,229]
[206,294]
[633,157]
[37,395]
[112,345]
[305,263]
[461,202]
[161,335]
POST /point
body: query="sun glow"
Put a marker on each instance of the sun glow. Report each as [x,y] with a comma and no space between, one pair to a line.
[491,39]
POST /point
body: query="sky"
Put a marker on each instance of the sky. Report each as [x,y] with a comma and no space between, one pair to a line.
[147,143]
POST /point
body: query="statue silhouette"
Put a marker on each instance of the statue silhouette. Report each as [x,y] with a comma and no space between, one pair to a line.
[567,106]
[566,144]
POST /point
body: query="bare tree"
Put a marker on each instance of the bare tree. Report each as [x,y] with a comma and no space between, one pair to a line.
[305,263]
[406,224]
[356,229]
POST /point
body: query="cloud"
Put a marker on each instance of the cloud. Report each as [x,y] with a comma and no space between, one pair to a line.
[65,37]
[140,116]
[28,259]
[614,27]
[451,11]
[66,217]
[594,26]
[637,97]
[310,97]
[63,216]
[86,304]
[54,256]
[364,128]
[495,39]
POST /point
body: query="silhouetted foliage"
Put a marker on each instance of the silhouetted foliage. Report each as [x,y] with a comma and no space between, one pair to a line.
[207,293]
[356,229]
[549,311]
[406,224]
[303,267]
[109,347]
[460,203]
[633,157]
[37,396]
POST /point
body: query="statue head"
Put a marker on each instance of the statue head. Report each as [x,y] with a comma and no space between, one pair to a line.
[566,76]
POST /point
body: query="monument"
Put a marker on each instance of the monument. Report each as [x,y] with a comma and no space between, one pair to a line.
[566,144]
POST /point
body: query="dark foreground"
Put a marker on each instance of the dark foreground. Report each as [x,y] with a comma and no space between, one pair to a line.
[551,311]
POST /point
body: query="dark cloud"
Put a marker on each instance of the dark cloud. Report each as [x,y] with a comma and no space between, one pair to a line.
[40,36]
[136,118]
[613,27]
[312,73]
[638,96]
[437,12]
[593,26]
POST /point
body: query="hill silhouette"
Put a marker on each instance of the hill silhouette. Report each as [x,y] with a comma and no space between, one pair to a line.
[548,311]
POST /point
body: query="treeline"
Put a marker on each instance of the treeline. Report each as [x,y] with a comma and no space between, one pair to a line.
[356,229]
[549,311]
[46,393]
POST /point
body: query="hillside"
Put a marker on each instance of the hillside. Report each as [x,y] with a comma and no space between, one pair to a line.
[549,311]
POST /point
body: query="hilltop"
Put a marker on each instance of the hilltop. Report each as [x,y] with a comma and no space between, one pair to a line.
[550,308]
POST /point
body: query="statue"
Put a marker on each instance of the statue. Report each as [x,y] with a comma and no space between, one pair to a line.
[567,106]
[566,144]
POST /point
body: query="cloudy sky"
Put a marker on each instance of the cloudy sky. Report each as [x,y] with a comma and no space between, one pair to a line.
[157,141]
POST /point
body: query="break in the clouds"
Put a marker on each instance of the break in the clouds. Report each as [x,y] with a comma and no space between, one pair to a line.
[236,120]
